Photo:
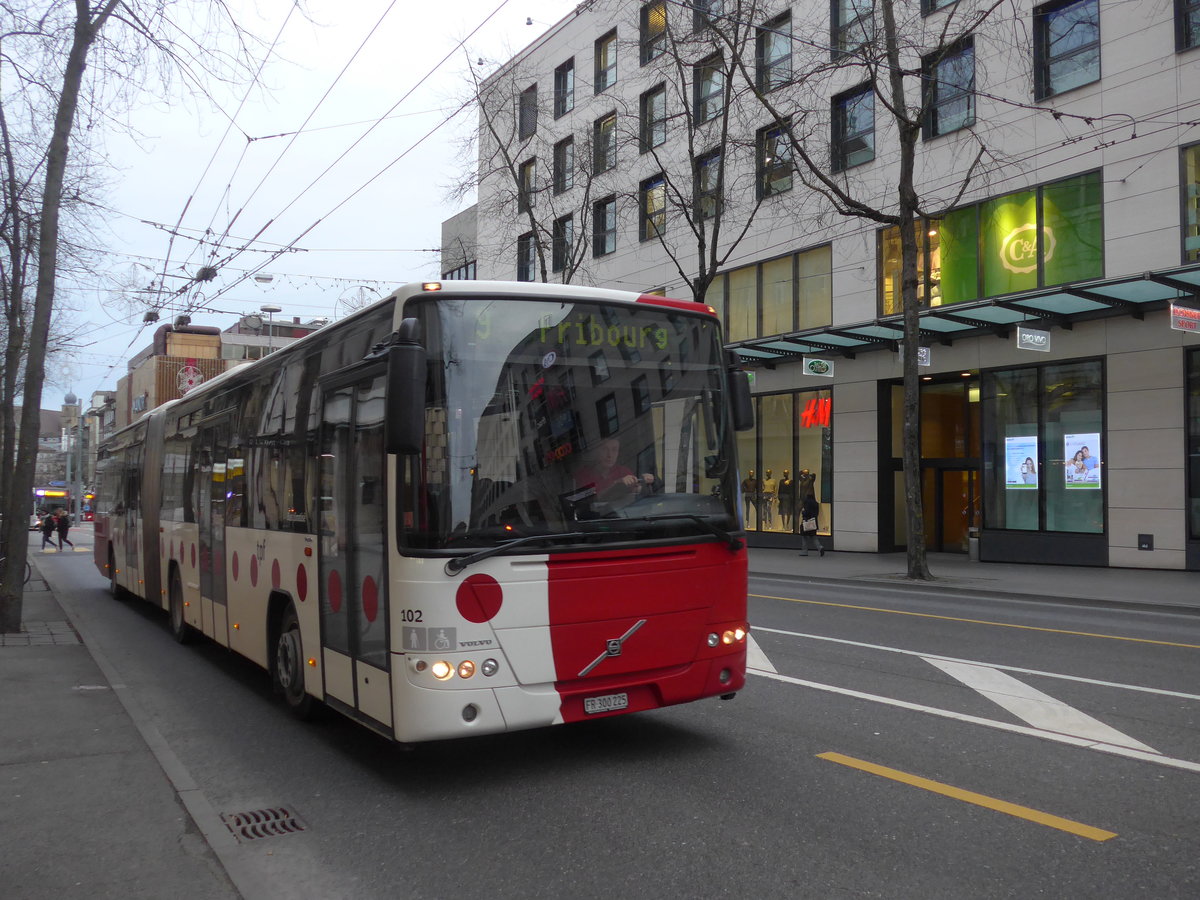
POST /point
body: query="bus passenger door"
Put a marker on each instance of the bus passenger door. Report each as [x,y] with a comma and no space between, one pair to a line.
[352,542]
[210,514]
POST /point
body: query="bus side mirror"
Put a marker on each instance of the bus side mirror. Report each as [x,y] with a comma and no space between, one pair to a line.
[740,401]
[404,424]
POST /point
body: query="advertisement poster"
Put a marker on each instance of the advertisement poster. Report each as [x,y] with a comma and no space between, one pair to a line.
[1020,462]
[1082,455]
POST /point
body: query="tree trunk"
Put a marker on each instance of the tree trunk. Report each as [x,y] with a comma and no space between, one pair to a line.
[16,528]
[909,132]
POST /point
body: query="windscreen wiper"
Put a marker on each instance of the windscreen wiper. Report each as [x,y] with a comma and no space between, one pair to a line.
[735,544]
[456,565]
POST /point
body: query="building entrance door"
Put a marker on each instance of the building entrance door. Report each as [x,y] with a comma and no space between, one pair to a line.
[950,451]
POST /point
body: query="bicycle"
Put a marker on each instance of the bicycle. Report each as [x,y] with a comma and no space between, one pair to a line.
[28,568]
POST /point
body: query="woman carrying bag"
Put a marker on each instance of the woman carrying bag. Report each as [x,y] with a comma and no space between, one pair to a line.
[809,510]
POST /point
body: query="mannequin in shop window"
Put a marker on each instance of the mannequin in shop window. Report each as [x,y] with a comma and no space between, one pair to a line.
[750,496]
[785,494]
[767,504]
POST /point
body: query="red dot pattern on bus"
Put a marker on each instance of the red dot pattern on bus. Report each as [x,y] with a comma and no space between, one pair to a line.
[479,598]
[276,578]
[302,582]
[370,598]
[253,571]
[235,565]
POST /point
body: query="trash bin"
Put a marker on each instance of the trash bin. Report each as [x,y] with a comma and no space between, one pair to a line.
[973,545]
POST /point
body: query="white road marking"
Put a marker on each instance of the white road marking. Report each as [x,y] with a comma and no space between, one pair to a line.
[933,656]
[1038,709]
[1070,740]
[755,658]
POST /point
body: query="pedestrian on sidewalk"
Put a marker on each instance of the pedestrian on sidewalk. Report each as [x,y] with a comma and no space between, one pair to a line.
[48,526]
[63,525]
[809,510]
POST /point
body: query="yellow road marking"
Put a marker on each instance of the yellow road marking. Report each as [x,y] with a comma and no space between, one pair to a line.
[902,612]
[1012,809]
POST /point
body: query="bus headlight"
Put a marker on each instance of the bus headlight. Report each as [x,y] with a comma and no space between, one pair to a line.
[466,669]
[442,670]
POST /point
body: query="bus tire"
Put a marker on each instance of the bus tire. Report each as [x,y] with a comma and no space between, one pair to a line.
[287,666]
[115,590]
[180,629]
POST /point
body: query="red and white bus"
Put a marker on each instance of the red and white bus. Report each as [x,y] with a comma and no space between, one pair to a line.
[414,515]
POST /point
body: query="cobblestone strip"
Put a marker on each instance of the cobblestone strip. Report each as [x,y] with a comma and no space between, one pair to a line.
[37,634]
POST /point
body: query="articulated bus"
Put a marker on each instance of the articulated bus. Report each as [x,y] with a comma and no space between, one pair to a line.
[473,507]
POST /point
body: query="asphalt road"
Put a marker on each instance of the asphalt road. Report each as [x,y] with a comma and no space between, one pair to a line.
[854,765]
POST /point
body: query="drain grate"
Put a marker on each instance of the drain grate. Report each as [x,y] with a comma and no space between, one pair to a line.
[262,823]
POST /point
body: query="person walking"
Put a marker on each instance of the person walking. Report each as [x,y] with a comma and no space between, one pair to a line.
[63,524]
[809,510]
[48,527]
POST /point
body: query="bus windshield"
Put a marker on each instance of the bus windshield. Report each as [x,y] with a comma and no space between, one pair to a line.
[577,421]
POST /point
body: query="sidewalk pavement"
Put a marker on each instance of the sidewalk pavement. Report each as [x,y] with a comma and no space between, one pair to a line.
[87,810]
[1172,590]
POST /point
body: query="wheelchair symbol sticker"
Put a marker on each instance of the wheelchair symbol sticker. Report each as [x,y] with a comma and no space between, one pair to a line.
[427,639]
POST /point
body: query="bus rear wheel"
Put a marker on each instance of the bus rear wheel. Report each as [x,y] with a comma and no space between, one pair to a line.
[115,590]
[180,629]
[287,669]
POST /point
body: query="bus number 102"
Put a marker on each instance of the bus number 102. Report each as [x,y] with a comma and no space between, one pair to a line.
[412,615]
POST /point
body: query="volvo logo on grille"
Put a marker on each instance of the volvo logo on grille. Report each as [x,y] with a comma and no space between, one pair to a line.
[612,647]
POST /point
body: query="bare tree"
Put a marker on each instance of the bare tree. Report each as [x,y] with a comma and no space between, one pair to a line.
[544,186]
[44,64]
[896,55]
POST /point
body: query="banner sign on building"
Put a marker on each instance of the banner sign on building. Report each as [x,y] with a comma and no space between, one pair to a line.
[1082,455]
[1020,462]
[820,367]
[1184,318]
[1032,339]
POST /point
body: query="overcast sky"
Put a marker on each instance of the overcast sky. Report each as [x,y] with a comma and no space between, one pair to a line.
[366,225]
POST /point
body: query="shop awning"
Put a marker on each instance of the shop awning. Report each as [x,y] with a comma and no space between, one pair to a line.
[1042,309]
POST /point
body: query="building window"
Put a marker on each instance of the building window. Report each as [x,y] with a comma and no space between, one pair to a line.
[654,118]
[1044,438]
[525,186]
[564,88]
[708,185]
[1193,443]
[653,203]
[1191,203]
[1048,235]
[465,272]
[527,112]
[606,62]
[564,165]
[781,295]
[709,82]
[564,238]
[853,128]
[1066,46]
[704,12]
[853,25]
[654,30]
[604,226]
[1187,24]
[526,257]
[950,90]
[787,457]
[607,416]
[774,161]
[774,53]
[604,143]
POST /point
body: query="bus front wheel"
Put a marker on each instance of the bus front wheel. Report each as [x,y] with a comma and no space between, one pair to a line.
[287,670]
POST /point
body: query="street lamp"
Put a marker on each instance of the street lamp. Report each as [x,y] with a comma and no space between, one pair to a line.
[270,309]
